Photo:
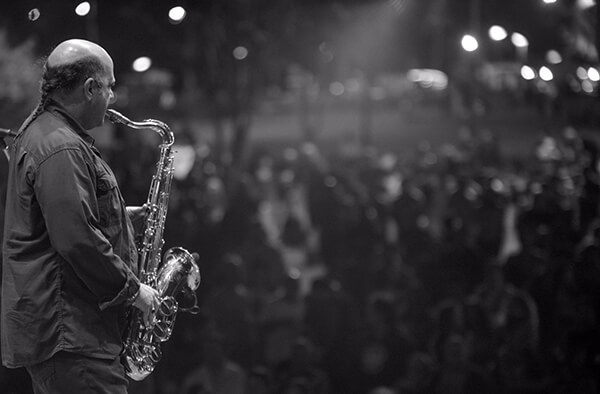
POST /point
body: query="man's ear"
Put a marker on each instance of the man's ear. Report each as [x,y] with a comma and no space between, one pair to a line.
[88,88]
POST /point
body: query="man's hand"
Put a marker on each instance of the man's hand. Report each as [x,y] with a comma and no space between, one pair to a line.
[138,215]
[147,301]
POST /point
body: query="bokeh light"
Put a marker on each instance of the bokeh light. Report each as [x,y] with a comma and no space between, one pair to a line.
[33,14]
[546,74]
[177,14]
[142,64]
[553,57]
[587,86]
[581,73]
[469,43]
[527,73]
[585,4]
[497,33]
[83,8]
[519,40]
[336,88]
[428,78]
[240,52]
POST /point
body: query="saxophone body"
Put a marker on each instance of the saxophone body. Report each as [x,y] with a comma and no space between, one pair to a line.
[176,273]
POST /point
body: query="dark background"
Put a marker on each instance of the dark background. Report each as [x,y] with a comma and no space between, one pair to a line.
[389,236]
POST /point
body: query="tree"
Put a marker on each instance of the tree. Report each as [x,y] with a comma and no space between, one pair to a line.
[19,78]
[231,52]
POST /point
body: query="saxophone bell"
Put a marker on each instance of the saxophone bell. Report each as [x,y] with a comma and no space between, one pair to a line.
[180,275]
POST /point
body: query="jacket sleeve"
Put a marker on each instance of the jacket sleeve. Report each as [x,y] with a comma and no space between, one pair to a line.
[65,188]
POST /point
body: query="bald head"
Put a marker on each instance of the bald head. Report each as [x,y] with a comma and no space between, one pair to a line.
[79,75]
[74,50]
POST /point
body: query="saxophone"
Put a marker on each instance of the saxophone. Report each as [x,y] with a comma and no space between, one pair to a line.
[177,274]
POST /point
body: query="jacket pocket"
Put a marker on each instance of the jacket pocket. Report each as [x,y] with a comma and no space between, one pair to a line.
[109,204]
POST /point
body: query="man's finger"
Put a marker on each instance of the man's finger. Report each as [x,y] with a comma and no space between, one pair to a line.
[149,316]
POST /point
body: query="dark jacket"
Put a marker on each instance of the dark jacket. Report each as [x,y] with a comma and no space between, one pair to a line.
[69,252]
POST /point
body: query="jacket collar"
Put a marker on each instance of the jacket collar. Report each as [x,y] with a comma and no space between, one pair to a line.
[56,108]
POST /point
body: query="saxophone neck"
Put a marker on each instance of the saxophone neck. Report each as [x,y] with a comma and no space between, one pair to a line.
[158,126]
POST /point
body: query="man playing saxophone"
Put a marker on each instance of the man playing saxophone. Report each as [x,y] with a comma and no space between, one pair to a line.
[69,255]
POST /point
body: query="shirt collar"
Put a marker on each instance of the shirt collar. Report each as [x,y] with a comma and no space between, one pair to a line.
[58,109]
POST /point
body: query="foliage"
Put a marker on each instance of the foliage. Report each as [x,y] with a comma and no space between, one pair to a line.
[19,81]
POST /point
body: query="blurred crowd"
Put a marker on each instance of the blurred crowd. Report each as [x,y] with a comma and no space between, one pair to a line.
[446,270]
[455,269]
